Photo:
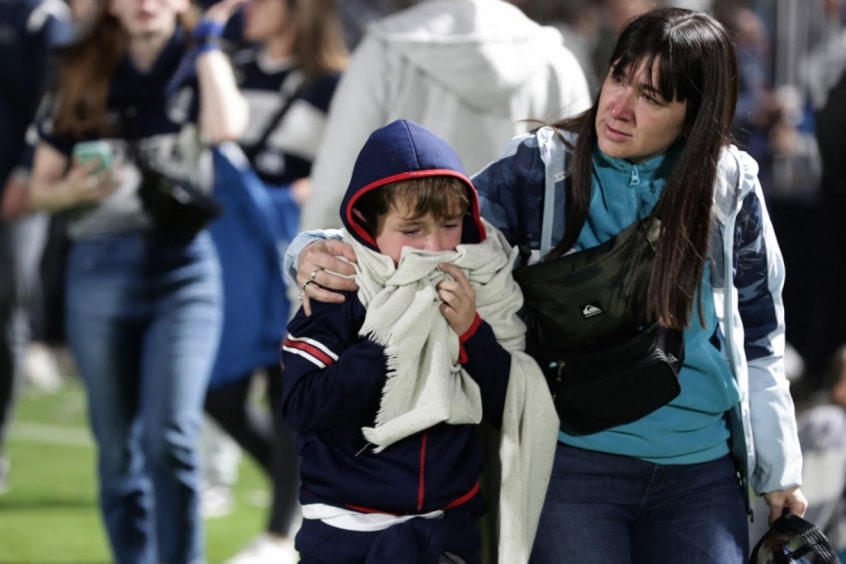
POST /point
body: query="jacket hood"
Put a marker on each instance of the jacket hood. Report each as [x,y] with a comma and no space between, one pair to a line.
[404,150]
[480,50]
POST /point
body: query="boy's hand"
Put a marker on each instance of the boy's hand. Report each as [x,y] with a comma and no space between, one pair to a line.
[459,299]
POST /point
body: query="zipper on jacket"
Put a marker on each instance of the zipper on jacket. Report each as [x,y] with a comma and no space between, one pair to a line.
[421,488]
[634,179]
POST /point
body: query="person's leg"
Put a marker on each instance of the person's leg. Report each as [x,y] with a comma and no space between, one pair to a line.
[285,473]
[105,316]
[229,405]
[607,508]
[39,366]
[591,504]
[220,458]
[693,514]
[11,324]
[319,543]
[179,349]
[267,438]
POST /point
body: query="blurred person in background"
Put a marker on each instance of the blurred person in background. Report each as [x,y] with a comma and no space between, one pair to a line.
[356,15]
[143,304]
[29,31]
[822,434]
[469,70]
[287,76]
[824,80]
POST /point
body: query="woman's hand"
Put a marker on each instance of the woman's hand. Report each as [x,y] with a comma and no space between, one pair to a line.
[792,499]
[87,185]
[459,299]
[319,269]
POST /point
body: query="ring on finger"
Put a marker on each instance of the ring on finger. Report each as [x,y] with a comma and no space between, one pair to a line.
[314,274]
[307,284]
[301,296]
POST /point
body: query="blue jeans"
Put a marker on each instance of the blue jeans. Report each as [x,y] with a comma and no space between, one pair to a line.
[604,508]
[143,320]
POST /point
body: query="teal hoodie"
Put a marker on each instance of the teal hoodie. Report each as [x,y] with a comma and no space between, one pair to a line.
[691,428]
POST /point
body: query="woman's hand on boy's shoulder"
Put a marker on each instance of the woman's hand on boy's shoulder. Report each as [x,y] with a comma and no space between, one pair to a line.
[325,268]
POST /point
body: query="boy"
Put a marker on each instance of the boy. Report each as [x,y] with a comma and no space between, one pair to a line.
[385,390]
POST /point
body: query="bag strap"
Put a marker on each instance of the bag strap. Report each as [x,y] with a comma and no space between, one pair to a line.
[292,87]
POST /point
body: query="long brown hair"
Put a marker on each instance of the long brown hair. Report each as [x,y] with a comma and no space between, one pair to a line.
[696,63]
[319,45]
[86,68]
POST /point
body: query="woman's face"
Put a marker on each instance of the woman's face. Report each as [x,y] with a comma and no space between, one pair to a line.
[633,121]
[143,18]
[263,19]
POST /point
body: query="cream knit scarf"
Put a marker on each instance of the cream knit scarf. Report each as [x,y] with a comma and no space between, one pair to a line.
[426,385]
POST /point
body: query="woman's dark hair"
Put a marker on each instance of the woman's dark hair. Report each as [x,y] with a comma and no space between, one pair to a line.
[696,64]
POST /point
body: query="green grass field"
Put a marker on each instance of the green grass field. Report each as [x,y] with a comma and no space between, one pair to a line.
[50,515]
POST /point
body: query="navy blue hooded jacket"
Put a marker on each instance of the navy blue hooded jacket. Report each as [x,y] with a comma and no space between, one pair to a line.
[333,378]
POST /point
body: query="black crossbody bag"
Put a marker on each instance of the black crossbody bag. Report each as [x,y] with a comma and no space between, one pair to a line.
[606,363]
[178,208]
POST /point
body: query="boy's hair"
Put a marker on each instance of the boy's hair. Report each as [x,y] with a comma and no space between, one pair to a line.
[442,196]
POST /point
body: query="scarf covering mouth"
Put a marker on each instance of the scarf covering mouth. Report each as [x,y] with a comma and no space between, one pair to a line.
[426,386]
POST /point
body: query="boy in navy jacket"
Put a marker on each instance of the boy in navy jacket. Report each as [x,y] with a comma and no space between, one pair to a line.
[386,389]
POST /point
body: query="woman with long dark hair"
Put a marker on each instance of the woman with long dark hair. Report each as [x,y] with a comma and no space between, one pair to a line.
[143,301]
[670,481]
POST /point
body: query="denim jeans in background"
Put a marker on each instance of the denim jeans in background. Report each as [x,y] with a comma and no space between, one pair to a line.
[603,508]
[143,321]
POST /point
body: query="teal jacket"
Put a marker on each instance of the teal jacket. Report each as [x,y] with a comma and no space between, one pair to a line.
[746,278]
[746,275]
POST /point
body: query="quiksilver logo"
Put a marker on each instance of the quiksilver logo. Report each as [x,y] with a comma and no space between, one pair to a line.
[591,310]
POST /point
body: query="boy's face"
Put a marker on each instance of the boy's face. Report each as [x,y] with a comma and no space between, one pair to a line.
[399,228]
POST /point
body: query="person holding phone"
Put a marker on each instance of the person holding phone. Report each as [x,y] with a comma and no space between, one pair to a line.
[143,306]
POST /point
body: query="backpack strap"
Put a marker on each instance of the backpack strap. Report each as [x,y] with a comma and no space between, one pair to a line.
[291,89]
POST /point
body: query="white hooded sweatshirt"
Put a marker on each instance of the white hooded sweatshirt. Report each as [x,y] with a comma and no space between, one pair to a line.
[470,70]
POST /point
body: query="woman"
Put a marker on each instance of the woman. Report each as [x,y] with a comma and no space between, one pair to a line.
[288,78]
[670,486]
[143,303]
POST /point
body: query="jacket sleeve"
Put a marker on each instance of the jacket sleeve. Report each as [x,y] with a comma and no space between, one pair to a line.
[331,376]
[511,191]
[759,278]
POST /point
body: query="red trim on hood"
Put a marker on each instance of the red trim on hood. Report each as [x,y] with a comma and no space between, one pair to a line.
[362,233]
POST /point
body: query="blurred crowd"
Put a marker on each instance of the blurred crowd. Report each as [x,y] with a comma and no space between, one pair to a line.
[792,56]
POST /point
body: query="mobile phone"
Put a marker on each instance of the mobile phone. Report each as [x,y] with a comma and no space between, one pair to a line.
[88,151]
